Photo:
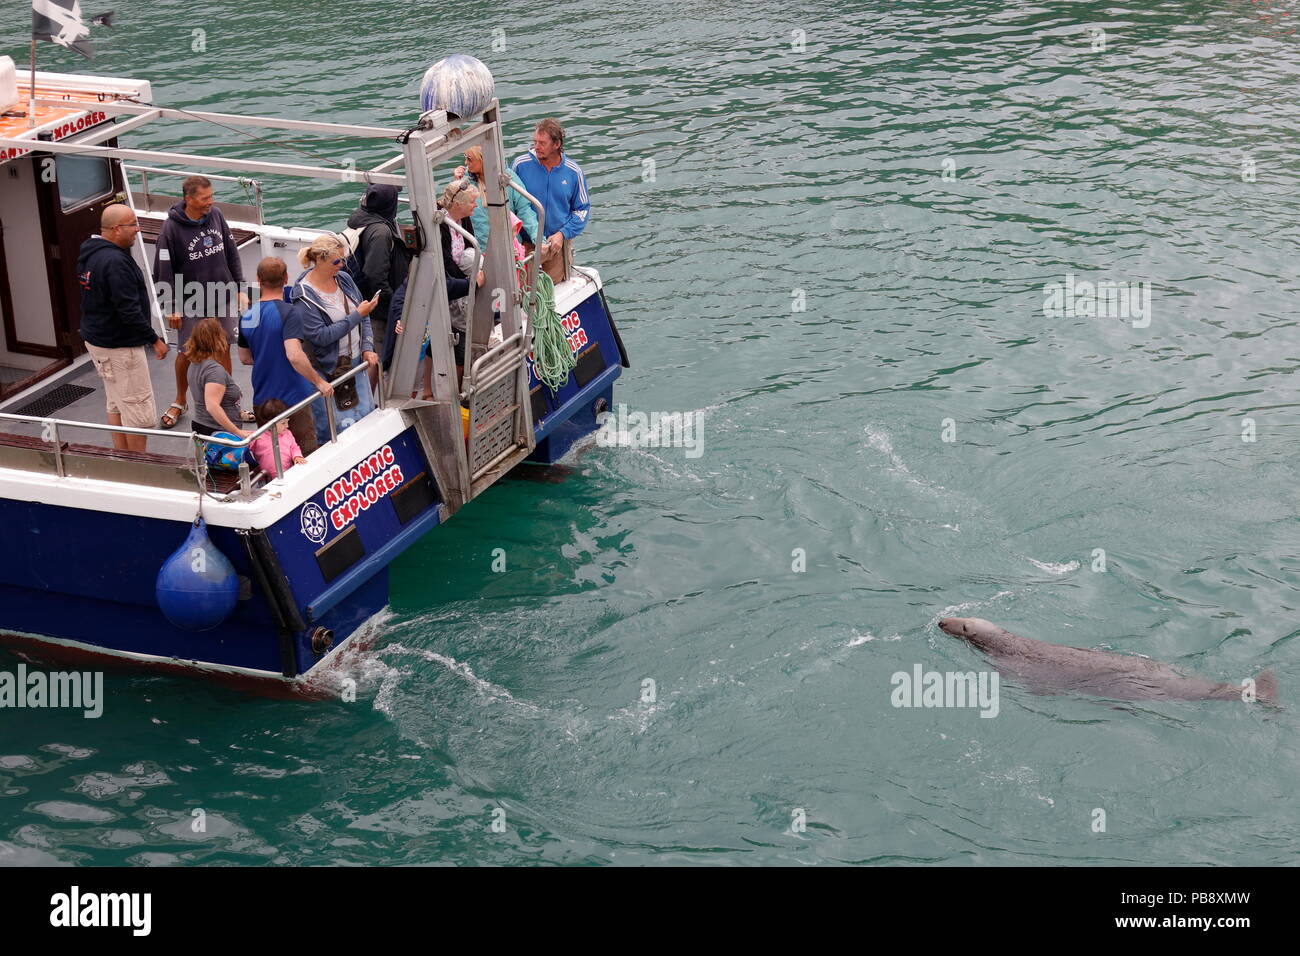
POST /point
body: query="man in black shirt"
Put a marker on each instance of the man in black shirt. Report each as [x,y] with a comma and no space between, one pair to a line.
[115,323]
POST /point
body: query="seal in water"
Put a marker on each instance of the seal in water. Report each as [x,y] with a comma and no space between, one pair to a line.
[1052,668]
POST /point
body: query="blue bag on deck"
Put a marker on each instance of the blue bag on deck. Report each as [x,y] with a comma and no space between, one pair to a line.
[228,459]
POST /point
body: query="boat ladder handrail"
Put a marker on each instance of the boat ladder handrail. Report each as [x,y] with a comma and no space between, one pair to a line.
[486,371]
[530,296]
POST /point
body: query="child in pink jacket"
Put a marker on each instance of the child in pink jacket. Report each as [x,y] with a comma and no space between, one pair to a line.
[290,453]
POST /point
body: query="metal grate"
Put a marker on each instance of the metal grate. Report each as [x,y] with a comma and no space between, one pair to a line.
[52,401]
[492,423]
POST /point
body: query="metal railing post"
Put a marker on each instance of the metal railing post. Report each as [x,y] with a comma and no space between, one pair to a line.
[470,240]
[200,466]
[530,306]
[58,449]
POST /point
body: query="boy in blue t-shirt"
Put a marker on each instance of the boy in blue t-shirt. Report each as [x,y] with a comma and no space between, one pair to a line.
[281,368]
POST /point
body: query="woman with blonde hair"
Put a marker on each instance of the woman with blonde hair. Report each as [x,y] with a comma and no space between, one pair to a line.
[213,392]
[459,199]
[515,202]
[332,320]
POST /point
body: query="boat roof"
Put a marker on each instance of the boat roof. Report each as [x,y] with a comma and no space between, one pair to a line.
[77,108]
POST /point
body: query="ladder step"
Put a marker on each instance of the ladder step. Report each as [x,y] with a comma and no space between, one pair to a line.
[507,412]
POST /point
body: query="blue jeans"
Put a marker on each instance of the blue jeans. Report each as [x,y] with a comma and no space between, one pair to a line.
[344,419]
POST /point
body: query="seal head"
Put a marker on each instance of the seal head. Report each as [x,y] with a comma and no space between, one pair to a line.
[979,632]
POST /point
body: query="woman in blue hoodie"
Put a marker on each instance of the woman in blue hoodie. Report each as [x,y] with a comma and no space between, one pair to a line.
[333,321]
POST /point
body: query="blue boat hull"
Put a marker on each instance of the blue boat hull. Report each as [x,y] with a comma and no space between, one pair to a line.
[563,417]
[105,598]
[84,581]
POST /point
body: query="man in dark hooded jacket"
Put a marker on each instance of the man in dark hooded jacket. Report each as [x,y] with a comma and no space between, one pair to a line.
[115,323]
[380,252]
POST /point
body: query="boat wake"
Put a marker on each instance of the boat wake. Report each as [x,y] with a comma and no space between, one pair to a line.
[879,440]
[485,688]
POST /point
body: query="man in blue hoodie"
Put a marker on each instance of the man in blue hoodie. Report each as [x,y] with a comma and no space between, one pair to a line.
[557,182]
[115,323]
[196,266]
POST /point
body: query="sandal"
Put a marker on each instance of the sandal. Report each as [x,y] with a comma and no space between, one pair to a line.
[168,419]
[247,416]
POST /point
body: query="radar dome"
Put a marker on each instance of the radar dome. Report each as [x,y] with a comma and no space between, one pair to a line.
[459,84]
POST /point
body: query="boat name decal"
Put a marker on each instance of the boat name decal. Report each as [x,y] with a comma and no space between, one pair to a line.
[62,131]
[573,331]
[365,484]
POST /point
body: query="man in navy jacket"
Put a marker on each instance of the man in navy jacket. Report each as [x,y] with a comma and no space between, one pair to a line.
[115,323]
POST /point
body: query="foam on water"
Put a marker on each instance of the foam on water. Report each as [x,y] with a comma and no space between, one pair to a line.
[880,440]
[1055,568]
[954,610]
[860,639]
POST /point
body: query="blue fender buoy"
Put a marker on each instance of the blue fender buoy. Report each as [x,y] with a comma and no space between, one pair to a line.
[460,84]
[197,586]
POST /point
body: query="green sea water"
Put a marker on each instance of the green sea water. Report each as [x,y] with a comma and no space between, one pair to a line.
[830,231]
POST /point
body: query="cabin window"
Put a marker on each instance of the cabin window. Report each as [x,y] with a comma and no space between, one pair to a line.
[82,180]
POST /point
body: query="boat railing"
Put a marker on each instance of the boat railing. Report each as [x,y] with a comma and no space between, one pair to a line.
[52,427]
[243,181]
[531,292]
[471,241]
[290,412]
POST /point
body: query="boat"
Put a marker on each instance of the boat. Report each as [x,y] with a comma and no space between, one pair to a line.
[88,527]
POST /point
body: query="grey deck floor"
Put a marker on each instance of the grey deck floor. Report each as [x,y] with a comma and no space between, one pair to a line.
[91,407]
[9,374]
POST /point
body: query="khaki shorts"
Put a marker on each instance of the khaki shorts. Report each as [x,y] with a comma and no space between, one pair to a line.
[125,373]
[558,264]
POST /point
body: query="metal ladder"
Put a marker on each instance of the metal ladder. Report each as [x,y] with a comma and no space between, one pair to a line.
[494,388]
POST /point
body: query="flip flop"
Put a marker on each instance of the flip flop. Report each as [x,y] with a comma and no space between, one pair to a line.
[168,419]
